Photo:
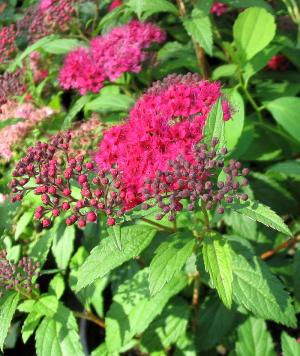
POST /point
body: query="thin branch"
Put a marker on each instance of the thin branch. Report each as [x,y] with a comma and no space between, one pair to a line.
[91,317]
[159,226]
[287,244]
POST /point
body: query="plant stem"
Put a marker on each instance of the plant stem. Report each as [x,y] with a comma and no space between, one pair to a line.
[205,215]
[266,255]
[195,299]
[200,54]
[91,317]
[159,226]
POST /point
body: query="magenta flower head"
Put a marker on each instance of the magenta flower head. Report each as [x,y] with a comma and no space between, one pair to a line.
[166,122]
[114,4]
[109,56]
[219,8]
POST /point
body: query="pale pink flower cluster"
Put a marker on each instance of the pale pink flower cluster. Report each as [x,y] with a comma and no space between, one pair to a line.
[109,56]
[166,122]
[13,135]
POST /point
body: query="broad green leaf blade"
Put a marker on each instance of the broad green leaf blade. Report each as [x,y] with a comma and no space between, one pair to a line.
[254,339]
[40,249]
[169,259]
[57,285]
[25,219]
[78,105]
[210,331]
[199,28]
[8,307]
[133,309]
[63,245]
[258,290]
[289,345]
[253,30]
[30,324]
[263,214]
[218,263]
[106,257]
[285,111]
[287,168]
[148,8]
[234,126]
[226,70]
[62,45]
[54,339]
[114,233]
[110,103]
[214,126]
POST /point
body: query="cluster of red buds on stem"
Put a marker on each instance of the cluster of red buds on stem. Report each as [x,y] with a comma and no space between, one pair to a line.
[19,276]
[196,180]
[67,184]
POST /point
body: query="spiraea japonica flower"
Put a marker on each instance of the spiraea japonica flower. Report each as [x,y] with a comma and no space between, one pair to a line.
[17,276]
[166,122]
[11,84]
[109,56]
[66,184]
[7,42]
[218,8]
[278,63]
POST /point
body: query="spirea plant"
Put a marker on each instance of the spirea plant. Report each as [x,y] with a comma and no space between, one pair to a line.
[150,175]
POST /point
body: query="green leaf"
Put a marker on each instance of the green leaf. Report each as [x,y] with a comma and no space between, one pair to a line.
[287,168]
[289,345]
[234,126]
[110,103]
[148,8]
[40,249]
[63,245]
[200,29]
[133,309]
[57,285]
[214,126]
[169,259]
[226,70]
[114,233]
[106,257]
[79,104]
[296,274]
[54,339]
[253,30]
[217,260]
[247,3]
[22,223]
[285,112]
[8,307]
[62,45]
[30,324]
[9,122]
[210,331]
[254,339]
[263,214]
[257,289]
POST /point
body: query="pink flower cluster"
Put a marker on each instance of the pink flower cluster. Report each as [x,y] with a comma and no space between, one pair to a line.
[7,42]
[11,84]
[165,123]
[110,55]
[114,4]
[218,8]
[14,134]
[278,63]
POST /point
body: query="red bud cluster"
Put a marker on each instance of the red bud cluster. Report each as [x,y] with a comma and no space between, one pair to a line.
[67,184]
[197,182]
[17,276]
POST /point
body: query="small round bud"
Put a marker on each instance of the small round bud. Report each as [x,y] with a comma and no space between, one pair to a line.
[55,212]
[46,223]
[89,165]
[245,171]
[65,206]
[244,197]
[66,192]
[81,223]
[220,210]
[91,216]
[111,221]
[82,179]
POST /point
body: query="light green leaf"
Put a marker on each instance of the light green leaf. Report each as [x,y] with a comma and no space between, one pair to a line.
[217,261]
[133,309]
[148,8]
[226,70]
[57,285]
[234,126]
[30,323]
[199,28]
[210,331]
[62,45]
[8,306]
[22,223]
[257,289]
[263,214]
[78,105]
[110,103]
[285,112]
[54,339]
[214,126]
[169,259]
[40,249]
[63,245]
[106,257]
[101,350]
[253,30]
[114,233]
[254,339]
[289,345]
